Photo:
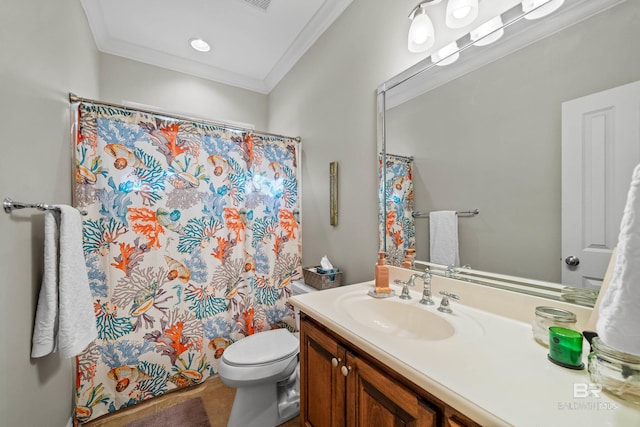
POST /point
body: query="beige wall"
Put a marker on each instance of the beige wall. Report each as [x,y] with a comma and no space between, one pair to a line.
[46,51]
[126,80]
[329,99]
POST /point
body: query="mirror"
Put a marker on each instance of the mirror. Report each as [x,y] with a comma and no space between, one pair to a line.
[485,132]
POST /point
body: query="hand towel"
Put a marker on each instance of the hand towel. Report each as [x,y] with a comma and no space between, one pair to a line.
[619,316]
[443,231]
[65,319]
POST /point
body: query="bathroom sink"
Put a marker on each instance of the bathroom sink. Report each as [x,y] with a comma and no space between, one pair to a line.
[408,319]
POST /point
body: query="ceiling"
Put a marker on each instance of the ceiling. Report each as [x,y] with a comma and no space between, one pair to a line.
[254,43]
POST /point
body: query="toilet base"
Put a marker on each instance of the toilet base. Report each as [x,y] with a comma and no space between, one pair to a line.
[267,404]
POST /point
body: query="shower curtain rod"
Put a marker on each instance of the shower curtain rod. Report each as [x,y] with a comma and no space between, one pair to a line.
[399,156]
[74,98]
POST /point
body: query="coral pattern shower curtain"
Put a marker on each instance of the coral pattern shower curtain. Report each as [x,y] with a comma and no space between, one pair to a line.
[398,227]
[191,239]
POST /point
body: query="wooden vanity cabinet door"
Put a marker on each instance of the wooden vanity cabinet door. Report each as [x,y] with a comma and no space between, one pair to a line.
[454,418]
[322,384]
[375,400]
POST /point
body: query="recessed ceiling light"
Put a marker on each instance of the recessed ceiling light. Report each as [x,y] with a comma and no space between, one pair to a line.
[200,45]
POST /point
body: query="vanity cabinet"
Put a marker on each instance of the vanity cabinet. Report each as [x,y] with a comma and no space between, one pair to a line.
[342,386]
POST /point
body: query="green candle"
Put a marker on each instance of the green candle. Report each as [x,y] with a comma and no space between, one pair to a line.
[565,346]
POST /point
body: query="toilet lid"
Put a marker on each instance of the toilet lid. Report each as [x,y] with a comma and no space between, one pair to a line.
[262,348]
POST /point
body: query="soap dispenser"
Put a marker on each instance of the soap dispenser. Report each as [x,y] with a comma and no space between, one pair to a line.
[382,274]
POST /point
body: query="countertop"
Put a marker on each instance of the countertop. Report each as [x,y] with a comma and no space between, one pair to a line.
[498,377]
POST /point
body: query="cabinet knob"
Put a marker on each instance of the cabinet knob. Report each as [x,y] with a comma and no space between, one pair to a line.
[335,362]
[345,370]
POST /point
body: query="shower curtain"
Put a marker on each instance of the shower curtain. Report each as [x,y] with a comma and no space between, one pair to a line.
[398,227]
[191,239]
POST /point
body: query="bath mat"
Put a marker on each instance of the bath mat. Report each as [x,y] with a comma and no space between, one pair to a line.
[186,414]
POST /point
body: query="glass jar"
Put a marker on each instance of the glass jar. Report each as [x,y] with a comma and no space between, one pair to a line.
[616,372]
[551,316]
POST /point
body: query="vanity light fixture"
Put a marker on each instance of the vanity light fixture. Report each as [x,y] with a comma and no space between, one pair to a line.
[200,45]
[536,9]
[421,33]
[447,55]
[461,13]
[488,32]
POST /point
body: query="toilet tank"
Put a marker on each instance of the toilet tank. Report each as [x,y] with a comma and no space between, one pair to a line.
[298,287]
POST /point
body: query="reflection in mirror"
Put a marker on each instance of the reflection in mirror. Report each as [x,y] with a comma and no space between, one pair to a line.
[491,139]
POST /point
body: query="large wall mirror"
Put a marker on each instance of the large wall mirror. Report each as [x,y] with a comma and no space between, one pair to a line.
[485,133]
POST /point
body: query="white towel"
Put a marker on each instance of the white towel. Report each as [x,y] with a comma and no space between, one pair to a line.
[65,319]
[619,314]
[443,231]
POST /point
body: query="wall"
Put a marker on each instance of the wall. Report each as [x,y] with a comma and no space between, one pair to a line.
[46,51]
[126,80]
[491,140]
[329,99]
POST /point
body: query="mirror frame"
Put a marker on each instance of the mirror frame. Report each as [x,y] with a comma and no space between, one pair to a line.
[426,75]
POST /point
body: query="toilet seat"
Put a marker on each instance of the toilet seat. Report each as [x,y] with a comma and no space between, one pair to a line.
[261,349]
[263,357]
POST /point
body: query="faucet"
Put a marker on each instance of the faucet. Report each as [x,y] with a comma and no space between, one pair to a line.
[451,271]
[426,291]
[426,294]
[405,287]
[444,303]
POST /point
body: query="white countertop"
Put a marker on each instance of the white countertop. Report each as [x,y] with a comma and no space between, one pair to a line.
[499,376]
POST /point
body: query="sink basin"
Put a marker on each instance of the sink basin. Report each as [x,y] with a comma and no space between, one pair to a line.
[407,319]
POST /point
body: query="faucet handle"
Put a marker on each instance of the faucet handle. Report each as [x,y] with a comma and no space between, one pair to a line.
[449,295]
[451,271]
[405,288]
[444,302]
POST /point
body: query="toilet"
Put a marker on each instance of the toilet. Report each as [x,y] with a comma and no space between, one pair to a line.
[264,368]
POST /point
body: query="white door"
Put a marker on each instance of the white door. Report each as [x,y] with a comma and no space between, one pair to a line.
[600,148]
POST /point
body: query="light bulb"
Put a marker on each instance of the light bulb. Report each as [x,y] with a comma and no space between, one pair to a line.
[461,13]
[488,32]
[447,55]
[542,8]
[421,33]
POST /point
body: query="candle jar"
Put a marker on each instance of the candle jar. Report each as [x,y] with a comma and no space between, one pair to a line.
[565,347]
[551,316]
[616,372]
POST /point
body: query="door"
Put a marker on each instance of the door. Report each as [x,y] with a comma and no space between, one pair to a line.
[374,400]
[322,381]
[600,148]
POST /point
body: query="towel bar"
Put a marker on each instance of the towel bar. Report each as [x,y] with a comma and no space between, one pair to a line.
[10,205]
[472,212]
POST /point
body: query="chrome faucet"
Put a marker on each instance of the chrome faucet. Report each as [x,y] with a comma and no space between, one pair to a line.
[444,303]
[426,279]
[405,287]
[451,271]
[426,291]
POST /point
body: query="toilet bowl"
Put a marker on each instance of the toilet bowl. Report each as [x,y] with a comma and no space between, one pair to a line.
[264,368]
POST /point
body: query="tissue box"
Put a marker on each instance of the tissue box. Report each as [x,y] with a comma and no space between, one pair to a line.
[322,279]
